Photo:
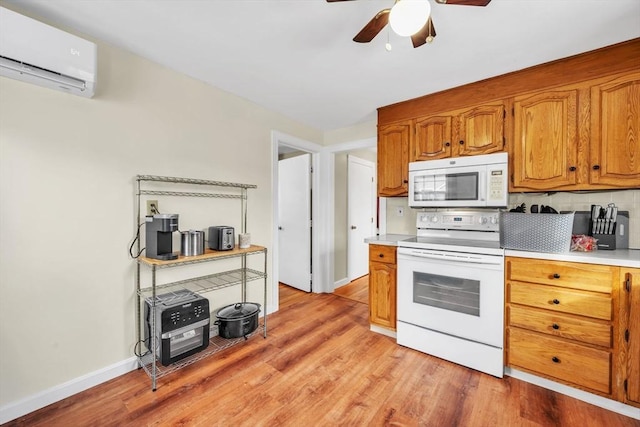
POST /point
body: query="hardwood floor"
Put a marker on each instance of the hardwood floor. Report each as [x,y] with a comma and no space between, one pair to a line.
[357,290]
[321,366]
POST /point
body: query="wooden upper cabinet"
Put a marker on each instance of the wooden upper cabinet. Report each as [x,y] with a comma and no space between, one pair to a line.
[393,159]
[545,148]
[481,130]
[432,138]
[615,132]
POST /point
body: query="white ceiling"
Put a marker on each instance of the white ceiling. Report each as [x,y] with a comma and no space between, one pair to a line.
[297,57]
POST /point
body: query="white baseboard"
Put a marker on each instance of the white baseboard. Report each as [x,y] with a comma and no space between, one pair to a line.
[383,331]
[594,399]
[13,410]
[341,282]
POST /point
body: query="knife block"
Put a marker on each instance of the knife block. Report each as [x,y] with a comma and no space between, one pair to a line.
[605,241]
[582,225]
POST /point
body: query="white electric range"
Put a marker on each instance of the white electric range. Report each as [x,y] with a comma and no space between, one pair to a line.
[450,299]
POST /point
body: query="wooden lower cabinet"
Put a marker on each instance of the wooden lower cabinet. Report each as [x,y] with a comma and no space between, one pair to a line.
[631,308]
[584,366]
[562,326]
[382,286]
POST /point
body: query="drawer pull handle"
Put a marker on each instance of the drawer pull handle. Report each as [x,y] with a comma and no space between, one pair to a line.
[555,326]
[381,255]
[556,276]
[556,301]
[554,359]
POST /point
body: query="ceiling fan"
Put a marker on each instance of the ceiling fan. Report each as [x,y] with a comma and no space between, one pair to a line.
[420,28]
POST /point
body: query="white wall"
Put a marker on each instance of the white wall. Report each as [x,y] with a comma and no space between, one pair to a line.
[67,169]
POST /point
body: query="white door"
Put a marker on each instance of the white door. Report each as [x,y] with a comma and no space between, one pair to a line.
[361,201]
[294,222]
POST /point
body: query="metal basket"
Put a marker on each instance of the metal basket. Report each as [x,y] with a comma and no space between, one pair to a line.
[536,232]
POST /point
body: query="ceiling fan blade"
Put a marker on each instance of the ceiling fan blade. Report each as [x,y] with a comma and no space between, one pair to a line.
[373,27]
[426,33]
[463,2]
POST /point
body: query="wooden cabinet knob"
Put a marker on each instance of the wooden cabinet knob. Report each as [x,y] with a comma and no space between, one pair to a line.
[447,144]
[555,326]
[556,301]
[572,168]
[381,255]
[461,142]
[556,276]
[554,359]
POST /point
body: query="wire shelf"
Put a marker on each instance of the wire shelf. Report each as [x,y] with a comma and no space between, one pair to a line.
[191,194]
[216,345]
[175,290]
[174,179]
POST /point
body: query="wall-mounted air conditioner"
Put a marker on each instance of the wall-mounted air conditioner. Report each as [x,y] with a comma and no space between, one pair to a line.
[41,54]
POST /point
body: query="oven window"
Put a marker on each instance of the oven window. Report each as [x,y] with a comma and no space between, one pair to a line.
[452,186]
[448,293]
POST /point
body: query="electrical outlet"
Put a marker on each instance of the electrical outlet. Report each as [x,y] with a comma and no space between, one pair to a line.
[152,207]
[399,211]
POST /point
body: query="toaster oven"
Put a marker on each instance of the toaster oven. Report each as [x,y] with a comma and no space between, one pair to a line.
[181,325]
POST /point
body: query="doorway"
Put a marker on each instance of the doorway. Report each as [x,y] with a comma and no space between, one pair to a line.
[323,248]
[361,202]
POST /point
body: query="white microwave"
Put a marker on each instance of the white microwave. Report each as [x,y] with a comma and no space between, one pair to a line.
[472,181]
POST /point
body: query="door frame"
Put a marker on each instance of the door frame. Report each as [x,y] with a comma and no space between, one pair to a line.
[322,211]
[278,139]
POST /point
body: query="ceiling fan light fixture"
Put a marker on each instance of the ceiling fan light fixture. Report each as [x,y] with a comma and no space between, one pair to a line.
[407,17]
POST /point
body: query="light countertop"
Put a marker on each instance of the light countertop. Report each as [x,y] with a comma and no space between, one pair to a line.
[387,239]
[618,257]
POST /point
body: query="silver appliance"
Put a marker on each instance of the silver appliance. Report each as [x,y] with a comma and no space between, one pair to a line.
[460,182]
[450,297]
[221,238]
[181,323]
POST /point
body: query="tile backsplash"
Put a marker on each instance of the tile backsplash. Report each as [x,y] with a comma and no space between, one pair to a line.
[625,200]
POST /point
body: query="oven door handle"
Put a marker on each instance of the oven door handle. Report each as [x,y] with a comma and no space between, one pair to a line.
[450,256]
[187,328]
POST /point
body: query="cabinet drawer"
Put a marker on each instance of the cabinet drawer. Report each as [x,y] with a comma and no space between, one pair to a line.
[382,253]
[558,358]
[561,300]
[561,325]
[588,277]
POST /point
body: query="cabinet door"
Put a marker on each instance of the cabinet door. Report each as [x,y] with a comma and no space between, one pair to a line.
[615,130]
[481,130]
[393,159]
[545,146]
[632,276]
[382,294]
[433,138]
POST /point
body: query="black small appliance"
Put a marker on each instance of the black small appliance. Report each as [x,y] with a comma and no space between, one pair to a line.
[181,324]
[221,238]
[159,230]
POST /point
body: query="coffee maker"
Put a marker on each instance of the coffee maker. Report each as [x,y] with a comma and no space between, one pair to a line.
[159,236]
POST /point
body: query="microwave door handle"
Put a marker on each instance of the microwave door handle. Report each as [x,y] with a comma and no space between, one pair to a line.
[483,183]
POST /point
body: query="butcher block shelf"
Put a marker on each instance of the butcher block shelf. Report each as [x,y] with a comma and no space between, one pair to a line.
[208,255]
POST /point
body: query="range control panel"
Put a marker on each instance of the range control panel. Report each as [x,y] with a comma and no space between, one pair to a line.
[473,220]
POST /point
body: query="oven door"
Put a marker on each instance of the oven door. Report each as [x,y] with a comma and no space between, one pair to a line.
[458,294]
